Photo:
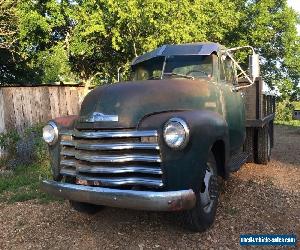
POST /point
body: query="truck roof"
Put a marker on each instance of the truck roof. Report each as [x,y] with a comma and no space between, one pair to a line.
[201,48]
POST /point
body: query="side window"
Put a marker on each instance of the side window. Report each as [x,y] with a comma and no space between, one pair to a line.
[227,71]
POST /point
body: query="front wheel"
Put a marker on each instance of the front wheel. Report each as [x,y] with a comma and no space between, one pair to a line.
[202,216]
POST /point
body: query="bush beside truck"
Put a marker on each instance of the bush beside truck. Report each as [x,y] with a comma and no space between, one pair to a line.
[24,162]
[284,113]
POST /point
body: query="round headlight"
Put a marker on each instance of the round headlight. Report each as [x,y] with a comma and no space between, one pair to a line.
[50,133]
[176,133]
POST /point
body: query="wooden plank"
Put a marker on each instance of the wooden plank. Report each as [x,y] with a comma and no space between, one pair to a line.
[72,101]
[27,105]
[9,109]
[19,117]
[2,114]
[54,101]
[45,110]
[34,105]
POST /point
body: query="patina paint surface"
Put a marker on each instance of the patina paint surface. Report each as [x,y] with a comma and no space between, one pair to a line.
[131,101]
[184,168]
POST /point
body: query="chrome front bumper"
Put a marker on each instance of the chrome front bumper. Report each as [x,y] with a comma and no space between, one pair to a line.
[140,200]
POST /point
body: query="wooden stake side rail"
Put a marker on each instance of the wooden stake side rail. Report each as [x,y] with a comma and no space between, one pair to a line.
[260,107]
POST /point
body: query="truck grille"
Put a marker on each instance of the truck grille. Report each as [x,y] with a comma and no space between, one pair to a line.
[120,158]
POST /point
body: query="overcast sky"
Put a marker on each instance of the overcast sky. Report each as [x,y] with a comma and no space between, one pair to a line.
[295,4]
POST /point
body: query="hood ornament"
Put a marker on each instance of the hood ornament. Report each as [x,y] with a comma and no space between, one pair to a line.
[99,117]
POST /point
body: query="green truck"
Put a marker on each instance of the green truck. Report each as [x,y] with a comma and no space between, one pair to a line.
[165,140]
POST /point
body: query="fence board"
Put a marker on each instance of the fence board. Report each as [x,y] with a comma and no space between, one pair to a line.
[2,114]
[9,109]
[24,106]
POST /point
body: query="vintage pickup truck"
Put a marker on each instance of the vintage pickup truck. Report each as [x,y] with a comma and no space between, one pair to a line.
[166,139]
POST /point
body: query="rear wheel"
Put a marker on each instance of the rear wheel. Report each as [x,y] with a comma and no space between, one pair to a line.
[85,208]
[249,144]
[263,145]
[202,216]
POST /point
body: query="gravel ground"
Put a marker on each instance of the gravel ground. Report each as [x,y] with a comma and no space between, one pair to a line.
[256,199]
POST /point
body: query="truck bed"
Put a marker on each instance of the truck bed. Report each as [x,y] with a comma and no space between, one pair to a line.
[260,106]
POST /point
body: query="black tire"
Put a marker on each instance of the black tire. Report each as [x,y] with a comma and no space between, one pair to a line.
[263,145]
[85,208]
[201,217]
[249,144]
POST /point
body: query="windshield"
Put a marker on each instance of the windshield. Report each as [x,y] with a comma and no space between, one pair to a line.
[175,67]
[147,70]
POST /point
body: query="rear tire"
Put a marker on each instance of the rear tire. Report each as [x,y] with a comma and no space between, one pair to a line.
[85,208]
[263,145]
[249,144]
[202,216]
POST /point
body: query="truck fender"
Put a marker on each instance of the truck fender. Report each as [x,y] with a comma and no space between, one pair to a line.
[208,131]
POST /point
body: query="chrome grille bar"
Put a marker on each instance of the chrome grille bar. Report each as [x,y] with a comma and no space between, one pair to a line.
[69,163]
[111,170]
[67,143]
[119,170]
[116,158]
[110,146]
[68,171]
[94,157]
[116,181]
[114,134]
[112,158]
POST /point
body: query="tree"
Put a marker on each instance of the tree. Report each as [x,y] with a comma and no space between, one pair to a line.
[109,34]
[270,27]
[95,39]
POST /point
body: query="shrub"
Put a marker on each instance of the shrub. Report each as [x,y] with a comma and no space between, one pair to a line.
[24,148]
[284,111]
[9,140]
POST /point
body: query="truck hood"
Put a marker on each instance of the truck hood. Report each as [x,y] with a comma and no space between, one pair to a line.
[131,101]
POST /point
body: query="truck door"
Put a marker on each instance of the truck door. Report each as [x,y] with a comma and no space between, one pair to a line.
[233,104]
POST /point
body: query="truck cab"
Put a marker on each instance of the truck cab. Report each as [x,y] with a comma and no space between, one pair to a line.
[164,140]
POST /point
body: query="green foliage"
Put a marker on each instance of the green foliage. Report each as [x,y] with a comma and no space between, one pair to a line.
[39,148]
[284,111]
[28,154]
[8,141]
[296,105]
[52,39]
[293,123]
[270,26]
[27,147]
[109,34]
[24,184]
[54,61]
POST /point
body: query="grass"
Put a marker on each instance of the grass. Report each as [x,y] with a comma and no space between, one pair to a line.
[293,123]
[24,184]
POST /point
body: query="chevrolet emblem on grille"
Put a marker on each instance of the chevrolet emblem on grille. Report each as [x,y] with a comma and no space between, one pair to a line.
[99,117]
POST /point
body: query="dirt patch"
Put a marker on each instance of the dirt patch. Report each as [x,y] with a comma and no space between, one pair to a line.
[256,199]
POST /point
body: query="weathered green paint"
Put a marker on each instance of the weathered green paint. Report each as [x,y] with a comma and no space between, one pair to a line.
[214,111]
[131,101]
[184,168]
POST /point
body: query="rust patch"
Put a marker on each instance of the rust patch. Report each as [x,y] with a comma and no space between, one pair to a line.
[182,203]
[66,121]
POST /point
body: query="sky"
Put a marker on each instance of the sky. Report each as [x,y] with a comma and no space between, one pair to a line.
[295,4]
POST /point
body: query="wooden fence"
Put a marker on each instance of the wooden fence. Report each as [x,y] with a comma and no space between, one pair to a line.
[24,106]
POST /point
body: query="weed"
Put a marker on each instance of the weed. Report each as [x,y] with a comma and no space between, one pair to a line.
[24,184]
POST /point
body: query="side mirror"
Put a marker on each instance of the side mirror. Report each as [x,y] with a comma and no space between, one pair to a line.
[254,68]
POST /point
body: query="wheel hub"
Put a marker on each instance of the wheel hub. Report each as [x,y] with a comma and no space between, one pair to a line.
[209,190]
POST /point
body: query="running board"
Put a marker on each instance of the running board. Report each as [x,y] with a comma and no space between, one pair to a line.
[237,161]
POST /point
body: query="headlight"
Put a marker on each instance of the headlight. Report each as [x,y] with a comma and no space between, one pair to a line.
[176,133]
[50,133]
